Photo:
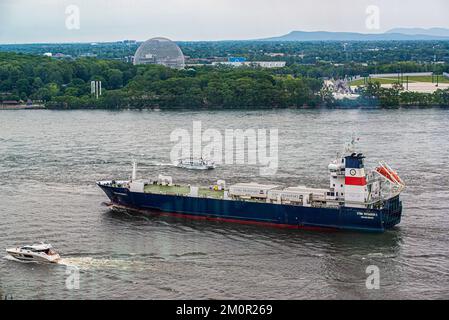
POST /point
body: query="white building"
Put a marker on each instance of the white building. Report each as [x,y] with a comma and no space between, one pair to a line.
[261,64]
[270,64]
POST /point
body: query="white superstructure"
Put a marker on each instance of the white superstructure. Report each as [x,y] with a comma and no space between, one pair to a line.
[349,185]
[35,253]
[251,190]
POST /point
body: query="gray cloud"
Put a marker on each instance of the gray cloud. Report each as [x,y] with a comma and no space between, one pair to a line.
[24,21]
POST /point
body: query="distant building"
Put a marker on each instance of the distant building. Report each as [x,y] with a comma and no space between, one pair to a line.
[261,64]
[340,89]
[160,51]
[275,54]
[95,88]
[88,55]
[201,61]
[270,64]
[62,56]
[129,59]
[236,59]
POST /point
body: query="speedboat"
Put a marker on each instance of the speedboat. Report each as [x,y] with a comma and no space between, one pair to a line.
[195,164]
[35,253]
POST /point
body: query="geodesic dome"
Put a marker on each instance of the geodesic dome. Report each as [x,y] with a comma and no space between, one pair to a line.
[160,51]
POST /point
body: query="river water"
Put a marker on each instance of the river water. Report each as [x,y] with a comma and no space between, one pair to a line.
[50,160]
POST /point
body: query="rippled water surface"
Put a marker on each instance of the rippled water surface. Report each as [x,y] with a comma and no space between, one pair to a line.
[50,160]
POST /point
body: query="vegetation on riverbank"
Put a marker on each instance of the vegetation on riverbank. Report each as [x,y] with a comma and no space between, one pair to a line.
[65,84]
[336,57]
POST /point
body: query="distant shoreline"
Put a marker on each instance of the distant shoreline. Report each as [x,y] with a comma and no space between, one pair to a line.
[360,107]
[22,107]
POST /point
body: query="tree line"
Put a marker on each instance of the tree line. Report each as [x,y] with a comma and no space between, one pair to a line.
[294,52]
[65,84]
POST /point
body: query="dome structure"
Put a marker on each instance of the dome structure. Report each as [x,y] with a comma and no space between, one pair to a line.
[160,51]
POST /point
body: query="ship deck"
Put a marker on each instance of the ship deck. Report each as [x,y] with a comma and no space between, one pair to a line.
[183,191]
[203,192]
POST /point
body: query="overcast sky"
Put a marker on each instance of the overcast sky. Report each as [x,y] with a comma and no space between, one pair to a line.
[28,21]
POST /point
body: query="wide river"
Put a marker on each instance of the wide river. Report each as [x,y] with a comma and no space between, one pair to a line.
[50,160]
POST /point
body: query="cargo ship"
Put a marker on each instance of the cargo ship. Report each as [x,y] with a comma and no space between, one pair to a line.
[356,199]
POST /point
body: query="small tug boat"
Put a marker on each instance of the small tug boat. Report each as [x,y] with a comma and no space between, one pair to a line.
[195,164]
[355,199]
[35,253]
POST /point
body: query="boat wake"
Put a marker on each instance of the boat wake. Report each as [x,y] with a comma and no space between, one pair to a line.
[161,164]
[89,263]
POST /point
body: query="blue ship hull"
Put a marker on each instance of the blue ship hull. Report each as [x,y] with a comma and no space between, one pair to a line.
[247,212]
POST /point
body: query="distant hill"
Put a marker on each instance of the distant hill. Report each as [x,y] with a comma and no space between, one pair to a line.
[353,36]
[436,32]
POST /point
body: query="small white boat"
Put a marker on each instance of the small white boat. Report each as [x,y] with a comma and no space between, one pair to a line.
[195,164]
[35,253]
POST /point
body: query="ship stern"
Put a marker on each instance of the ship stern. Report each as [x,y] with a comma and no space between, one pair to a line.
[392,212]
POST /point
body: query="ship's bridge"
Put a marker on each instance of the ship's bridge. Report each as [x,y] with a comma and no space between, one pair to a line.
[355,161]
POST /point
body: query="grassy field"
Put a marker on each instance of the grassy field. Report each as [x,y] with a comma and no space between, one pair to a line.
[361,82]
[174,190]
[427,79]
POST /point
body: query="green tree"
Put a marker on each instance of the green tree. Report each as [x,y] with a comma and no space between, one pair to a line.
[115,78]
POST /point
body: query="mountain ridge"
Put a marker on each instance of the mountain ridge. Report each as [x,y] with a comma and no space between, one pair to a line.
[437,31]
[391,35]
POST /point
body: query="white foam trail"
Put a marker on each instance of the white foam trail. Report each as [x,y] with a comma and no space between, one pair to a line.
[89,263]
[165,164]
[157,164]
